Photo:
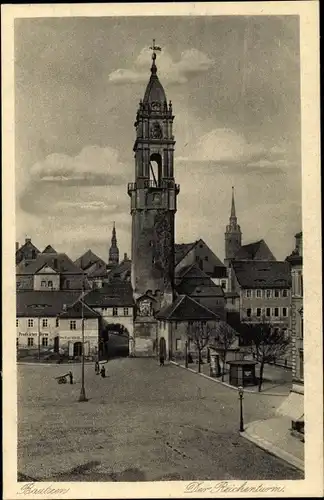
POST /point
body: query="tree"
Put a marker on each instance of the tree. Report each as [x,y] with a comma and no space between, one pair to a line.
[199,333]
[224,338]
[267,340]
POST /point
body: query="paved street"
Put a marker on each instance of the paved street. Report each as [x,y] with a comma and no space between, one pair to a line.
[141,423]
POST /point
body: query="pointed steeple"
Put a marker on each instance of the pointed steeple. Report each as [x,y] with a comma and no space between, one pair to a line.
[113,251]
[233,235]
[233,218]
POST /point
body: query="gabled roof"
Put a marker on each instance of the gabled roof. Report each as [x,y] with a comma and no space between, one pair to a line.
[257,250]
[262,274]
[78,310]
[111,295]
[192,288]
[121,272]
[60,262]
[98,272]
[49,249]
[38,303]
[181,250]
[87,259]
[185,308]
[192,271]
[26,250]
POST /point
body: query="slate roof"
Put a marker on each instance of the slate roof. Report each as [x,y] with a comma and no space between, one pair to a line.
[49,249]
[195,282]
[111,295]
[35,303]
[88,259]
[251,250]
[181,250]
[60,262]
[262,274]
[121,272]
[185,308]
[75,311]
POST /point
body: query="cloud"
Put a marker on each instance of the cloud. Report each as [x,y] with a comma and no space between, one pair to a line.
[228,148]
[191,63]
[93,166]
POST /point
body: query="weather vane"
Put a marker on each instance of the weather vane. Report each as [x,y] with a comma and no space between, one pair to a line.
[155,48]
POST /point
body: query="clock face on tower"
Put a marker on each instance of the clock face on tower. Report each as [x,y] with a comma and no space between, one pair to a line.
[155,106]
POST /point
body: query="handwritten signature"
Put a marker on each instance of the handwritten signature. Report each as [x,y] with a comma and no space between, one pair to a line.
[31,489]
[226,487]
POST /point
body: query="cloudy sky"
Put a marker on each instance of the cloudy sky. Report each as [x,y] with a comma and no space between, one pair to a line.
[234,85]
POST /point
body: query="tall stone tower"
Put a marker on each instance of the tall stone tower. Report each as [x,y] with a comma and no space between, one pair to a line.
[113,251]
[233,235]
[153,207]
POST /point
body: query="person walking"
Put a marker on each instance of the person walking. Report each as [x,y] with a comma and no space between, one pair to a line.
[161,359]
[103,372]
[71,377]
[97,368]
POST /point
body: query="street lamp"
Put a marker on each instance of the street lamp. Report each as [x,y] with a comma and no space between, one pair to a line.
[241,392]
[186,354]
[82,391]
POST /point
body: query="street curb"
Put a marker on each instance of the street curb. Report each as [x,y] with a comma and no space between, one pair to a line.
[228,385]
[273,450]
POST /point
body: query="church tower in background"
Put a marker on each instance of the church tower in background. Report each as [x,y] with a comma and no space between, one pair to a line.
[233,235]
[153,206]
[113,251]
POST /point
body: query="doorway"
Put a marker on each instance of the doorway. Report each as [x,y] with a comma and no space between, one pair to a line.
[162,347]
[77,349]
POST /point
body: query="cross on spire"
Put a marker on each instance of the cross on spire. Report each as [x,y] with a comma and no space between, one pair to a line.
[155,49]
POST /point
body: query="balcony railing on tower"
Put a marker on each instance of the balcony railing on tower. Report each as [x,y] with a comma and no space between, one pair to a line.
[152,184]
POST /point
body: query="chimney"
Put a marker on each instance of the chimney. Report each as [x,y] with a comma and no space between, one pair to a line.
[28,240]
[17,246]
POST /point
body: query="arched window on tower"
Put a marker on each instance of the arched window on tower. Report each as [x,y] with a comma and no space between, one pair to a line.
[155,169]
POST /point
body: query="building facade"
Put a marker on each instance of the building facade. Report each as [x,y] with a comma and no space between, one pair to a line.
[296,319]
[52,321]
[153,207]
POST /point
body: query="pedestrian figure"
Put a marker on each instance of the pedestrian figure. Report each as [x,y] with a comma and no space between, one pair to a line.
[71,377]
[103,372]
[161,360]
[97,368]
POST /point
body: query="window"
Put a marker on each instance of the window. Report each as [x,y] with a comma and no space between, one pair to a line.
[206,257]
[115,311]
[249,313]
[45,323]
[276,311]
[248,293]
[17,323]
[30,323]
[197,258]
[285,293]
[73,324]
[57,322]
[268,294]
[285,312]
[44,341]
[268,311]
[30,341]
[259,294]
[50,284]
[178,344]
[43,284]
[259,312]
[301,364]
[276,293]
[125,311]
[223,284]
[17,342]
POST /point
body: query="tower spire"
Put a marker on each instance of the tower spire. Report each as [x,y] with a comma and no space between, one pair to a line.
[113,251]
[233,213]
